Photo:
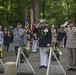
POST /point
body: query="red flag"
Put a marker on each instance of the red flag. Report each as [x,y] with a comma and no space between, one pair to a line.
[26,23]
[27,28]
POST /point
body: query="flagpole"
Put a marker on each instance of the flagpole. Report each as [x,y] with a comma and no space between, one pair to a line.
[31,20]
[26,19]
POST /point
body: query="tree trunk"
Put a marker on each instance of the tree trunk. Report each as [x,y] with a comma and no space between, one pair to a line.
[11,11]
[68,9]
[75,17]
[36,11]
[7,11]
[43,9]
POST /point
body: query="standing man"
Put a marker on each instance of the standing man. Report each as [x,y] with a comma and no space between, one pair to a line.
[35,39]
[28,38]
[44,34]
[71,45]
[19,37]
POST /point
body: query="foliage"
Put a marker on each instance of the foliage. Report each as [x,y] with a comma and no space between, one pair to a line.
[56,52]
[12,11]
[55,11]
[26,52]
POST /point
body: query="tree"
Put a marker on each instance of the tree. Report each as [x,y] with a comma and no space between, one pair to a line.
[36,11]
[54,11]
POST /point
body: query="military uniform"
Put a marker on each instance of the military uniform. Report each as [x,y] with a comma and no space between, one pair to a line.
[28,38]
[44,34]
[35,39]
[19,38]
[71,45]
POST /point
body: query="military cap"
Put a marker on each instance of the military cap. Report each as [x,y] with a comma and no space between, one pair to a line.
[42,20]
[19,23]
[62,25]
[53,25]
[34,24]
[72,20]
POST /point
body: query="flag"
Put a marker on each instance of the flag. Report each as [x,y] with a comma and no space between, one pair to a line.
[26,23]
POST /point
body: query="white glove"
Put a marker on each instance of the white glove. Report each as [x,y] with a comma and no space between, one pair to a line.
[48,45]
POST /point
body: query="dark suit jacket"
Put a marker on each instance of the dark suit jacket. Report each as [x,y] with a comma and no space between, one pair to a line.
[44,34]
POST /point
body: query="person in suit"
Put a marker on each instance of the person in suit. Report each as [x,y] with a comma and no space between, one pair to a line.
[71,44]
[44,34]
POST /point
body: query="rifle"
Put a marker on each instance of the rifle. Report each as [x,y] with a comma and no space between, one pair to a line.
[37,25]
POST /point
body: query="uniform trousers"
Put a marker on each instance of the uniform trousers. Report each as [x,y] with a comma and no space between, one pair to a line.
[34,46]
[28,45]
[16,50]
[43,56]
[1,45]
[72,57]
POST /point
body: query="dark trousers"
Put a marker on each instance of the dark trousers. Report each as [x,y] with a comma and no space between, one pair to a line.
[65,41]
[72,57]
[16,51]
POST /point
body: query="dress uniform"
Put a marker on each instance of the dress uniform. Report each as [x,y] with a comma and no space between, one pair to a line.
[35,39]
[19,37]
[71,45]
[44,34]
[28,38]
[1,41]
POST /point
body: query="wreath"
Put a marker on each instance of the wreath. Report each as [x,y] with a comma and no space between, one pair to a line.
[57,52]
[26,52]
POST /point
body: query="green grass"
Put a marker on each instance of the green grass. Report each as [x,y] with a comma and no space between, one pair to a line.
[9,52]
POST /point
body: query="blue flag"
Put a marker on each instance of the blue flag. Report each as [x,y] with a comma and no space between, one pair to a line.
[26,20]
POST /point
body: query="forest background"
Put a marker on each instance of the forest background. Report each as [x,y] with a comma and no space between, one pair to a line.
[54,11]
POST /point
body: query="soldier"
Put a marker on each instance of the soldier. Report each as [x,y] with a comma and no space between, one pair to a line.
[71,45]
[44,34]
[28,38]
[35,39]
[19,37]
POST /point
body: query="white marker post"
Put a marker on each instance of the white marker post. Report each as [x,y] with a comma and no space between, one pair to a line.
[23,67]
[54,68]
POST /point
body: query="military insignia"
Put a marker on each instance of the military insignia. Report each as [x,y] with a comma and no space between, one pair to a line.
[46,30]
